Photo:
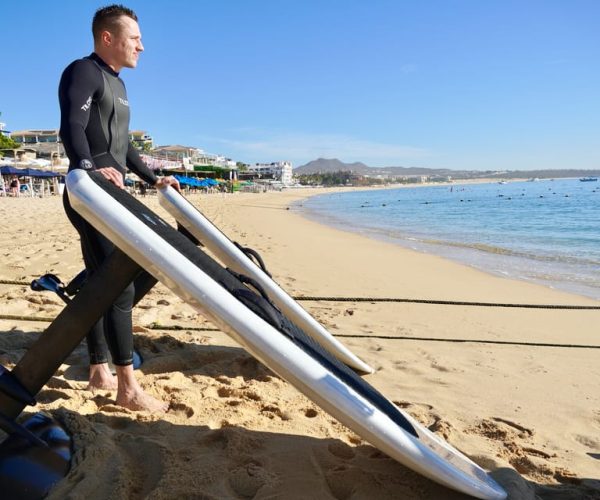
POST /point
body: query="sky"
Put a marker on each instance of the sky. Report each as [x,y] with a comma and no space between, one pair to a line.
[457,84]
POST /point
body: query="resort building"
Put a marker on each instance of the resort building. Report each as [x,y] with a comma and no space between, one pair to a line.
[280,171]
[141,139]
[35,136]
[192,158]
[35,143]
[207,159]
[176,152]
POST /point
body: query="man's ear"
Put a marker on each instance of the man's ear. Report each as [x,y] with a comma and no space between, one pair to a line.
[106,38]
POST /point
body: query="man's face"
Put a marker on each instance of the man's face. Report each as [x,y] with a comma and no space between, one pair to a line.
[127,43]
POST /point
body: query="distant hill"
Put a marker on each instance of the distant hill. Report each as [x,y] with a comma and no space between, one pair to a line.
[324,165]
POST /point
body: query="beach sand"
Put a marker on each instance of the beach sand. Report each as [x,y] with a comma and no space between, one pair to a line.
[530,414]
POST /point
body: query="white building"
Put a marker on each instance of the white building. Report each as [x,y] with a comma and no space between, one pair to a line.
[280,170]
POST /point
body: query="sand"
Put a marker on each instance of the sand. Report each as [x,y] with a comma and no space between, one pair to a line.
[234,430]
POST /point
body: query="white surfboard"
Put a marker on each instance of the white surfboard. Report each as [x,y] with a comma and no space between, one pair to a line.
[394,433]
[234,258]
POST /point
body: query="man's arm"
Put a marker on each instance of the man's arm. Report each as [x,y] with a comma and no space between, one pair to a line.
[138,167]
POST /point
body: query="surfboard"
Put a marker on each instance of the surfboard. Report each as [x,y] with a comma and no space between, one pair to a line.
[261,329]
[234,258]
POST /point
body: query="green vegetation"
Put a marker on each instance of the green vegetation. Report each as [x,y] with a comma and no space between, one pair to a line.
[144,147]
[211,168]
[7,143]
[340,178]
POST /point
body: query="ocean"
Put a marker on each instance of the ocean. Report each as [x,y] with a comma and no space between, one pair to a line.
[545,231]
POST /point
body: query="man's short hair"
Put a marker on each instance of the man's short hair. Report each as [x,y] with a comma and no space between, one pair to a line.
[108,19]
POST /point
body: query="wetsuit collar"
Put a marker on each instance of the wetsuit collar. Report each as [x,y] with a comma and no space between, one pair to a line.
[103,65]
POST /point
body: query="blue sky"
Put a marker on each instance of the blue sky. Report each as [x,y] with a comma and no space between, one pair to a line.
[460,84]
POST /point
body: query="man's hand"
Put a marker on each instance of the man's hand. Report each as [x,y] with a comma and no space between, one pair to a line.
[168,181]
[113,175]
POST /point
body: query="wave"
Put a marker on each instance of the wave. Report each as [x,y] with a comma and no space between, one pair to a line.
[511,252]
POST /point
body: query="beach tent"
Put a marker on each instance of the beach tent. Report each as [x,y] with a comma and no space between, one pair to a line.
[194,182]
[26,172]
[31,173]
[8,170]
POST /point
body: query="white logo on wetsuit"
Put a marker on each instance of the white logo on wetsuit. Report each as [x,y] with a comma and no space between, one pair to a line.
[86,165]
[87,104]
[123,101]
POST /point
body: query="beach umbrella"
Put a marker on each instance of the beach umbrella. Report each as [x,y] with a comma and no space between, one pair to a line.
[8,170]
[32,172]
[183,181]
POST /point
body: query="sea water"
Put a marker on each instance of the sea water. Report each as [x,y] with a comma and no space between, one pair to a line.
[546,231]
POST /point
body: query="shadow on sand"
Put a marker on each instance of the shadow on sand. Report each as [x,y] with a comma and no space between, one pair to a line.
[137,457]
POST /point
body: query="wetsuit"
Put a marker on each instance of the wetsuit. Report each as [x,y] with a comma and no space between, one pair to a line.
[94,129]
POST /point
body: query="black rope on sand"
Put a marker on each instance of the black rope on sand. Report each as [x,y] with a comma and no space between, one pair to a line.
[442,302]
[155,326]
[303,298]
[178,328]
[26,318]
[474,341]
[14,282]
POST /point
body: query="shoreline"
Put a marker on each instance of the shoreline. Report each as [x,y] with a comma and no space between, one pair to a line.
[465,254]
[530,414]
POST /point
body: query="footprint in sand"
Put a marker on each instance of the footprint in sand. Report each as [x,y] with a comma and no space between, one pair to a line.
[236,442]
[58,383]
[181,409]
[346,481]
[311,413]
[251,395]
[226,392]
[247,479]
[105,403]
[441,427]
[223,380]
[272,411]
[171,390]
[515,447]
[588,442]
[424,413]
[341,450]
[51,395]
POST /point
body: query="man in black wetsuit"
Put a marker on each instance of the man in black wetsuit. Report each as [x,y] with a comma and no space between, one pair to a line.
[94,129]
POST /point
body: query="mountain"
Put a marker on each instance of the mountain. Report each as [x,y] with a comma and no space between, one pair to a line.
[323,165]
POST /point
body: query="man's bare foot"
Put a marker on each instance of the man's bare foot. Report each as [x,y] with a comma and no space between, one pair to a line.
[130,394]
[140,401]
[101,378]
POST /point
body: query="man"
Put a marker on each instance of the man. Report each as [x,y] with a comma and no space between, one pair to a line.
[94,129]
